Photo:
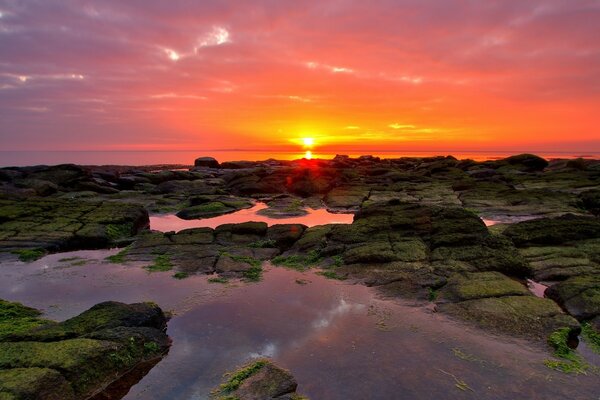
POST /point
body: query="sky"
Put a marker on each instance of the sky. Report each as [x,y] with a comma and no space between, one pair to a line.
[353,75]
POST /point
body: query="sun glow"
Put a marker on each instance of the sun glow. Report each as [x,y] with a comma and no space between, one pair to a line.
[308,141]
[308,155]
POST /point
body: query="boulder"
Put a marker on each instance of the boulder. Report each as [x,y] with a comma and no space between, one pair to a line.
[208,162]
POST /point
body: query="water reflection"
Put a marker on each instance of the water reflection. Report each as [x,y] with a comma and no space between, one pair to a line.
[321,216]
[339,340]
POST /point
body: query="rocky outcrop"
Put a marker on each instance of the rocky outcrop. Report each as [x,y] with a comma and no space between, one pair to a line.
[79,357]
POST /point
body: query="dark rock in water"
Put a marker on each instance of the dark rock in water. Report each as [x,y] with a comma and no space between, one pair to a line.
[284,206]
[208,162]
[212,206]
[76,358]
[259,380]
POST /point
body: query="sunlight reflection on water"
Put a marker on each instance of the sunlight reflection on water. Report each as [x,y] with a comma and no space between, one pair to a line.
[167,223]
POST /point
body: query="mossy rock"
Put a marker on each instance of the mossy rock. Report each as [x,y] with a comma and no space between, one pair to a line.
[478,285]
[78,357]
[370,252]
[104,315]
[260,379]
[579,295]
[67,224]
[553,231]
[284,236]
[17,319]
[34,383]
[211,209]
[525,316]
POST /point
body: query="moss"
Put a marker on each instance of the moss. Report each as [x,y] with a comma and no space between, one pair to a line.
[118,258]
[180,275]
[16,318]
[477,285]
[570,362]
[591,336]
[432,294]
[253,274]
[370,252]
[238,377]
[162,263]
[34,383]
[119,231]
[329,274]
[338,260]
[262,244]
[151,348]
[297,261]
[211,207]
[28,255]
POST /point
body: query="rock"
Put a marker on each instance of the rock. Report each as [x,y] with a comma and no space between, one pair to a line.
[208,162]
[346,197]
[528,162]
[67,224]
[552,231]
[78,357]
[212,206]
[525,316]
[591,201]
[284,236]
[34,383]
[284,207]
[259,380]
[579,295]
[479,285]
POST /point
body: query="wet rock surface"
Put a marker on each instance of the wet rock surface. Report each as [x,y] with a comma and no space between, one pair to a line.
[77,358]
[417,232]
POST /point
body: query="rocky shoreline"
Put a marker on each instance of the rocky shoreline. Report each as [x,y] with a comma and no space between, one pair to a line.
[417,232]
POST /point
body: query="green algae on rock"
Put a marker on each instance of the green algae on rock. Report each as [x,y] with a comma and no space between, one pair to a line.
[77,358]
[34,226]
[260,379]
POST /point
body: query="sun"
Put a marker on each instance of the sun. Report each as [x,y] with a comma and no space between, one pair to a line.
[308,141]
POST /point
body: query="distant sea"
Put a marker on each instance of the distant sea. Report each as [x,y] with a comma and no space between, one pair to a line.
[187,157]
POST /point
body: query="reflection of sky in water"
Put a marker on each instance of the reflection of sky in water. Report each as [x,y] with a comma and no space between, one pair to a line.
[327,333]
[166,223]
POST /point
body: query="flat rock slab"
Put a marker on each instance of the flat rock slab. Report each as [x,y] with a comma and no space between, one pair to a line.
[62,224]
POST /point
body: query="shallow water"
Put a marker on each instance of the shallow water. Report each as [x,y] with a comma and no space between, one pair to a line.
[171,222]
[341,341]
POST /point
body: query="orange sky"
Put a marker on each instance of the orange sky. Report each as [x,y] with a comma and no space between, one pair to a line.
[356,76]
